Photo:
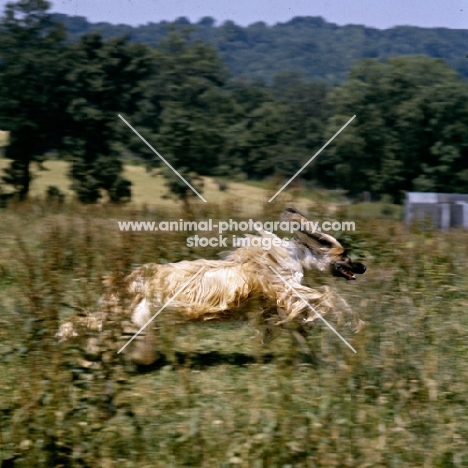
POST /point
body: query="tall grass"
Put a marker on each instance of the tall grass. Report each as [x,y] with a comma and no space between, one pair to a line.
[217,397]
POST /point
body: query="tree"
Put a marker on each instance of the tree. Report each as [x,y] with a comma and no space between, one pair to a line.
[306,109]
[178,189]
[187,110]
[410,130]
[106,79]
[31,87]
[318,49]
[444,111]
[278,127]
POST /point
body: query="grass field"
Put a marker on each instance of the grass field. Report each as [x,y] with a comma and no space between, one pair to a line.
[218,397]
[249,198]
[147,188]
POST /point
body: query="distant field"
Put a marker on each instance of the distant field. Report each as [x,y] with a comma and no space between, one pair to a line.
[148,189]
[248,197]
[4,137]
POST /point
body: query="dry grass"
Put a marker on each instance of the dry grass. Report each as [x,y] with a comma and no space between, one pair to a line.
[55,174]
[4,138]
[218,397]
[148,188]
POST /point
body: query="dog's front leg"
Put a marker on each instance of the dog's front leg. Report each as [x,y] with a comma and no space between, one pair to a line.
[143,348]
[300,300]
[306,326]
[303,344]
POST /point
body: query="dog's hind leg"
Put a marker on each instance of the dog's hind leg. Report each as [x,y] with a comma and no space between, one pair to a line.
[305,348]
[300,336]
[267,324]
[142,349]
[302,342]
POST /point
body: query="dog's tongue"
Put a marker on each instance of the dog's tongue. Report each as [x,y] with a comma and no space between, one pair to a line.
[349,275]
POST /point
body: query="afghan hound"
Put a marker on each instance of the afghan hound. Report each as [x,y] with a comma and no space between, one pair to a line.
[254,284]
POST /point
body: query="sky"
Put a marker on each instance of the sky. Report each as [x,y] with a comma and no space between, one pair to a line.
[381,14]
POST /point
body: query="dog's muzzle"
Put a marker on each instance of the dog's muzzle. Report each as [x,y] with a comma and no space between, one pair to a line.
[348,271]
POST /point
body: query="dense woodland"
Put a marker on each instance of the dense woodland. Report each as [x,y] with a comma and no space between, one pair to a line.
[308,45]
[62,87]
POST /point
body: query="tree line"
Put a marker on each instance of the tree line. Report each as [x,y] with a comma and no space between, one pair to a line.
[61,98]
[310,45]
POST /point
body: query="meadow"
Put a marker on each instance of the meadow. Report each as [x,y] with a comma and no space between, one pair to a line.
[218,397]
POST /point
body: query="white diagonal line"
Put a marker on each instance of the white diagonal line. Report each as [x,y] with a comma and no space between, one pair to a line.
[161,309]
[162,159]
[313,309]
[311,159]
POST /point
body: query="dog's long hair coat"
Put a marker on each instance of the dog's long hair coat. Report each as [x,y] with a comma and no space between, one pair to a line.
[255,284]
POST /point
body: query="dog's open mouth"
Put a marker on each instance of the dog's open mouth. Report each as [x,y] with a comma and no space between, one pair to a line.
[344,272]
[348,272]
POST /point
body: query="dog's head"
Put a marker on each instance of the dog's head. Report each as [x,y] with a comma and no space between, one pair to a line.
[327,252]
[344,267]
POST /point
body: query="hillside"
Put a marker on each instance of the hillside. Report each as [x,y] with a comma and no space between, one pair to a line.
[310,45]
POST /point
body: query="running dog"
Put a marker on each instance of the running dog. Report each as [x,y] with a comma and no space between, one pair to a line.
[252,284]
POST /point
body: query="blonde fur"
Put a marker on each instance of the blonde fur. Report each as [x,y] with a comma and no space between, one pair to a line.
[248,284]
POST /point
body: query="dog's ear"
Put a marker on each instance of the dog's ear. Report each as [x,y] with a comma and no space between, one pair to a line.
[309,231]
[325,240]
[291,215]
